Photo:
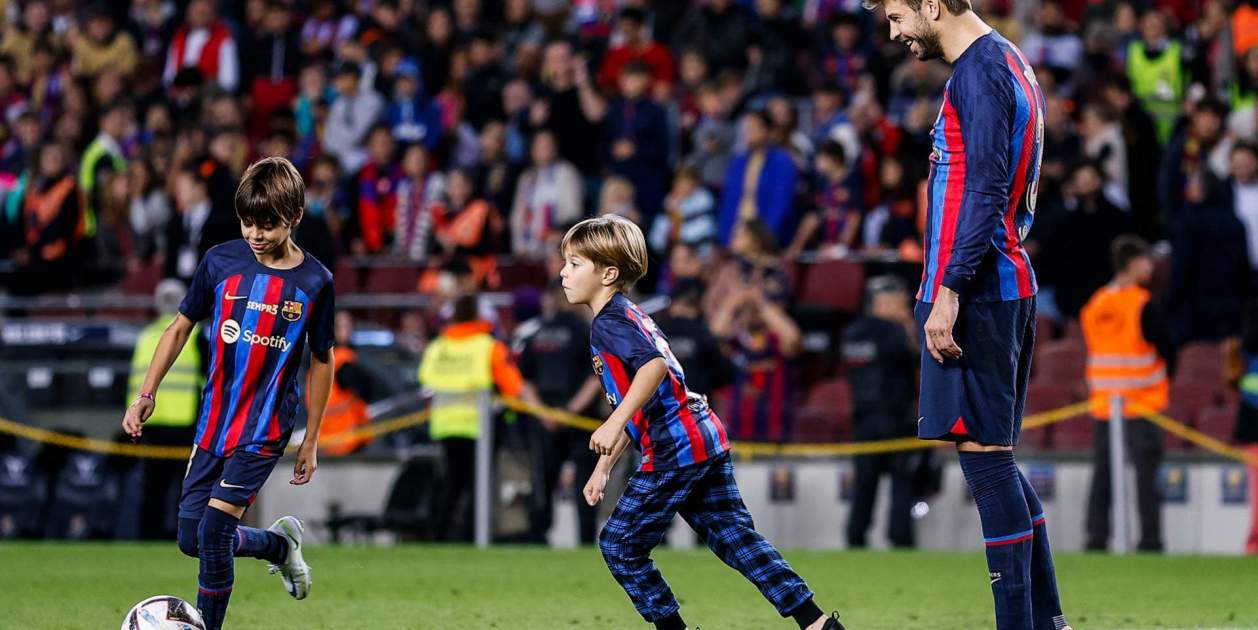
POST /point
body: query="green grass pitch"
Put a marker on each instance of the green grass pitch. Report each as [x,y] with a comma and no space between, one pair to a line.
[91,586]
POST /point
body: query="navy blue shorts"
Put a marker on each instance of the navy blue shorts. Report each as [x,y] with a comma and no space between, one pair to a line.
[979,397]
[235,480]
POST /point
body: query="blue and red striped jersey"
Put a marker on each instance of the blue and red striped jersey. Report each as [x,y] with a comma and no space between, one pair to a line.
[262,320]
[984,176]
[675,428]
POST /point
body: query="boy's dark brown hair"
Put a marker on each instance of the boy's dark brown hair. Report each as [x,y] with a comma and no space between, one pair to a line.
[270,194]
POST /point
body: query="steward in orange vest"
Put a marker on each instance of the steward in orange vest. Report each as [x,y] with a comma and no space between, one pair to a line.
[1130,353]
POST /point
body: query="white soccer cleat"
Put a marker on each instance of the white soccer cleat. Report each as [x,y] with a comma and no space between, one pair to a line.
[295,572]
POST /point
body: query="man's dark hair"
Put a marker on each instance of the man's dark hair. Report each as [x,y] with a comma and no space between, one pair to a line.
[633,14]
[955,7]
[1125,249]
[637,66]
[688,291]
[271,193]
[833,149]
[1245,145]
[466,308]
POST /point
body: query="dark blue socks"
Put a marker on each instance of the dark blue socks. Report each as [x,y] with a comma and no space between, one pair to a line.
[996,484]
[1045,602]
[217,542]
[261,544]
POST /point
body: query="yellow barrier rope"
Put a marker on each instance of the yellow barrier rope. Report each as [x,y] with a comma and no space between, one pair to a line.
[746,449]
[1198,438]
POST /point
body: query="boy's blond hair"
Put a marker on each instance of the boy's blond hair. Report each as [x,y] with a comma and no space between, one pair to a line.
[271,193]
[609,241]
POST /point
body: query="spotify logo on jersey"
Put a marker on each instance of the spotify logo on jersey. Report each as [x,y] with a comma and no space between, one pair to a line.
[230,331]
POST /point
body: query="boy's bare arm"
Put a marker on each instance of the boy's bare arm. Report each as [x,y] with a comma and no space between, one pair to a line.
[319,384]
[168,349]
[644,384]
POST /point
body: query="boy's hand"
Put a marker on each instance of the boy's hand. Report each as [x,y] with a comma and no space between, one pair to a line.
[137,414]
[604,439]
[307,462]
[594,487]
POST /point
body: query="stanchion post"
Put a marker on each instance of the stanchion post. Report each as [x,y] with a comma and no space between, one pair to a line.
[484,470]
[1118,473]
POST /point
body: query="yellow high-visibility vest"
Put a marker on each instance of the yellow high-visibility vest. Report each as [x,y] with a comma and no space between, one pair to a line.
[457,370]
[179,397]
[1158,83]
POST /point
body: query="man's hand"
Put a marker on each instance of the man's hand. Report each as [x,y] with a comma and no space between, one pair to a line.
[594,487]
[938,329]
[137,414]
[307,462]
[604,439]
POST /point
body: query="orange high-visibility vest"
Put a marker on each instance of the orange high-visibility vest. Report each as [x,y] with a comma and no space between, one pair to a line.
[345,412]
[1120,359]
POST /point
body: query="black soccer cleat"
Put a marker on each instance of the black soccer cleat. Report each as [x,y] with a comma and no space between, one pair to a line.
[833,622]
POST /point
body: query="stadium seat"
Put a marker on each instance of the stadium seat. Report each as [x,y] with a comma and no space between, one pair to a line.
[393,279]
[826,414]
[522,274]
[1060,362]
[348,277]
[1200,362]
[1188,402]
[1217,422]
[1072,330]
[1045,329]
[1043,397]
[836,284]
[143,281]
[1074,434]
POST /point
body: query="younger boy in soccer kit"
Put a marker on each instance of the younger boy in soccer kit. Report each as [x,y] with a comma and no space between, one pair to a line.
[686,466]
[268,300]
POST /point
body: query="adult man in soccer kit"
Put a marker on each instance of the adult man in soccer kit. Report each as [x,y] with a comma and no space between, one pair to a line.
[267,299]
[978,289]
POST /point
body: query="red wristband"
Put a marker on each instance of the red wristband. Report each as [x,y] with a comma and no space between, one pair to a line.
[148,395]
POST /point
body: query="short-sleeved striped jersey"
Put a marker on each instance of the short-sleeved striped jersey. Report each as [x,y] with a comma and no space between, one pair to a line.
[675,428]
[262,319]
[984,176]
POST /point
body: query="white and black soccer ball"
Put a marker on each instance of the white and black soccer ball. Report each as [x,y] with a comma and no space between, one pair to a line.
[163,612]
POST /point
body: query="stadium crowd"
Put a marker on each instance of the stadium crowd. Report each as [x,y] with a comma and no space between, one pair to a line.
[750,140]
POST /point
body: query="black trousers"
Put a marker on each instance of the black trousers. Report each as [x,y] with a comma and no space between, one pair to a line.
[1144,451]
[454,522]
[548,450]
[163,479]
[869,469]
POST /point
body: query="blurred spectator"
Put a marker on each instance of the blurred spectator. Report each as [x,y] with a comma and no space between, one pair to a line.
[411,114]
[185,235]
[21,37]
[494,173]
[351,390]
[355,110]
[548,195]
[713,144]
[617,196]
[637,130]
[1210,270]
[832,225]
[1198,149]
[722,29]
[436,51]
[555,361]
[48,259]
[326,28]
[377,184]
[102,46]
[1075,260]
[762,341]
[636,46]
[1130,353]
[204,42]
[1143,154]
[149,208]
[568,106]
[705,364]
[880,359]
[893,224]
[417,192]
[483,81]
[845,58]
[756,260]
[469,227]
[689,216]
[270,57]
[103,158]
[1052,43]
[760,184]
[1103,144]
[1244,182]
[1155,67]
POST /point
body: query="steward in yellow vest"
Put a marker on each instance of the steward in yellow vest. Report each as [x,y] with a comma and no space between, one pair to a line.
[1130,353]
[461,363]
[1156,70]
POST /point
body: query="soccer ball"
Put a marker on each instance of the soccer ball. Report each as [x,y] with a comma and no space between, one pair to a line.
[163,612]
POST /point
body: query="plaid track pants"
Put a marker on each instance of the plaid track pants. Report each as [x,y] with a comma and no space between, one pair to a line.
[707,497]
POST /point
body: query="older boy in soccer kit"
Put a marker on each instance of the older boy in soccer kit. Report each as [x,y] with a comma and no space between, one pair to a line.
[686,467]
[267,299]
